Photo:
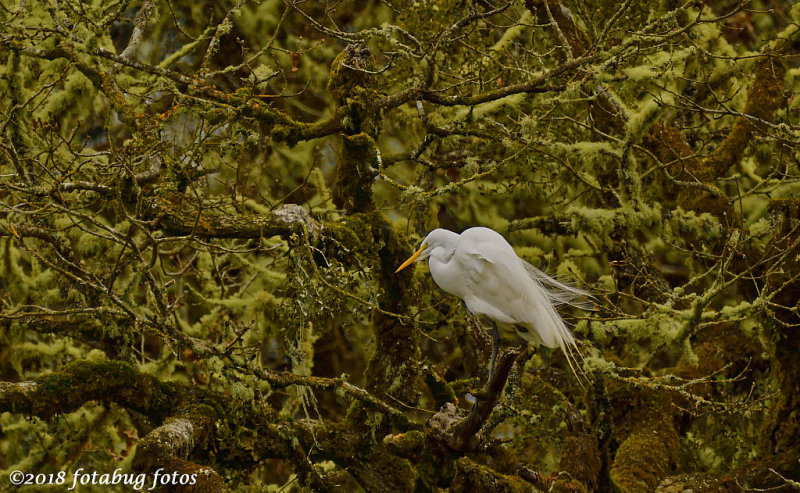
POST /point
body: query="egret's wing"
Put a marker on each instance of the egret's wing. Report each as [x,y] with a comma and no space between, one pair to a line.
[493,286]
[501,285]
[559,293]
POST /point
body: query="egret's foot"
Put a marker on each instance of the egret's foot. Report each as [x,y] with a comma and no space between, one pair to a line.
[480,395]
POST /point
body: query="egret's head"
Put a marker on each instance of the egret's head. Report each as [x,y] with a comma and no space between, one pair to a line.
[435,239]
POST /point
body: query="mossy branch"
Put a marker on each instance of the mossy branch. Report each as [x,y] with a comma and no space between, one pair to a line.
[538,85]
[140,24]
[646,455]
[766,94]
[284,221]
[70,387]
[286,129]
[464,434]
[169,445]
[474,477]
[83,327]
[610,119]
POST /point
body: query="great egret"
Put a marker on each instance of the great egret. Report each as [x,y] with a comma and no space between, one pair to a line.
[480,267]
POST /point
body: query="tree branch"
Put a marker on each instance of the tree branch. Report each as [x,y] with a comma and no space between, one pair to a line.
[465,432]
[139,26]
[169,445]
[284,221]
[67,389]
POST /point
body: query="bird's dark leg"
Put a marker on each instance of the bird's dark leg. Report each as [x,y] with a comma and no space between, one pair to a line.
[495,347]
[481,336]
[477,331]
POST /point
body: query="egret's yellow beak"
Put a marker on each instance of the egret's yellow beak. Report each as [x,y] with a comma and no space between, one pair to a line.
[411,259]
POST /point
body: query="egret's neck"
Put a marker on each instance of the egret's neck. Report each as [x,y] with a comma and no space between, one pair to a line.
[440,263]
[445,246]
[442,254]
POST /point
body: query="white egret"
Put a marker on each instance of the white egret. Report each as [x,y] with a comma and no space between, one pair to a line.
[480,267]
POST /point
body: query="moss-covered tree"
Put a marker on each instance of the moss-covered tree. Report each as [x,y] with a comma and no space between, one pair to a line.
[202,205]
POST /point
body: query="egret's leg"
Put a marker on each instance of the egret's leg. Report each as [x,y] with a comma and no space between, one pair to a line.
[495,346]
[477,331]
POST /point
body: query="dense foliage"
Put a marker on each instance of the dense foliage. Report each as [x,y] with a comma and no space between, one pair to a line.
[202,205]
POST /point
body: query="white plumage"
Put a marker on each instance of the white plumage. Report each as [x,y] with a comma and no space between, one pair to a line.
[480,267]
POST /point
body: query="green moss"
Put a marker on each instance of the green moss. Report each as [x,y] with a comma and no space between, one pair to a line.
[474,477]
[77,91]
[614,223]
[644,116]
[591,150]
[441,390]
[765,95]
[697,227]
[484,110]
[649,441]
[80,381]
[349,73]
[354,173]
[580,457]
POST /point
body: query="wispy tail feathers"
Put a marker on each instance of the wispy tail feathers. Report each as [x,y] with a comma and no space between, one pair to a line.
[552,330]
